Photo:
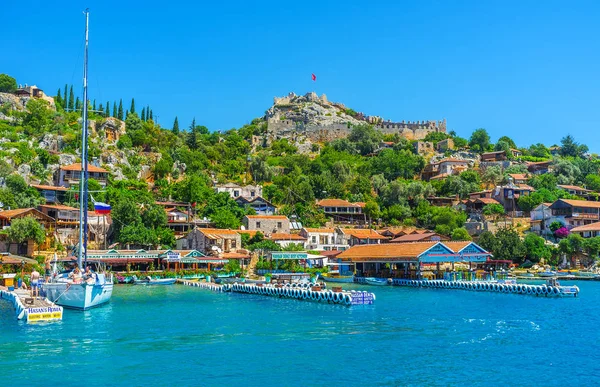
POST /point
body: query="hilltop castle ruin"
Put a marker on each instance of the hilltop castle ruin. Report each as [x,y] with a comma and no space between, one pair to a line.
[318,120]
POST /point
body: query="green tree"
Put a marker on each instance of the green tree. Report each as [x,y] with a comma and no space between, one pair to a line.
[539,150]
[592,182]
[509,141]
[8,84]
[39,118]
[24,229]
[365,138]
[394,164]
[163,167]
[107,110]
[125,213]
[120,111]
[154,216]
[372,210]
[71,103]
[492,176]
[509,246]
[143,117]
[176,126]
[65,100]
[23,195]
[536,248]
[565,171]
[493,209]
[569,147]
[460,234]
[58,99]
[132,108]
[480,140]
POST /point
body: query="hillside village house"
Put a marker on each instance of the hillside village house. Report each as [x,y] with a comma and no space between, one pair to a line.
[259,204]
[358,236]
[508,195]
[573,213]
[267,224]
[539,218]
[576,190]
[177,220]
[204,239]
[321,239]
[519,178]
[539,168]
[587,231]
[28,247]
[342,211]
[52,194]
[424,148]
[444,168]
[395,232]
[70,175]
[284,240]
[235,190]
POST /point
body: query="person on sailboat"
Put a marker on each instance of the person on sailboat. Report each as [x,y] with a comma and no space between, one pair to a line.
[75,275]
[89,276]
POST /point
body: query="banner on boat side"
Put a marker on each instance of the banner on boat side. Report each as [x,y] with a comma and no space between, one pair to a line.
[362,298]
[44,313]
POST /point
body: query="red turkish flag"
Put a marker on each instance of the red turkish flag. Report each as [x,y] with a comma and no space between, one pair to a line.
[314,77]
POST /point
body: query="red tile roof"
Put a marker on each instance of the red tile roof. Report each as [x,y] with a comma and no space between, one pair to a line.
[337,203]
[587,227]
[417,237]
[280,217]
[285,237]
[320,230]
[400,251]
[59,207]
[362,233]
[49,187]
[77,167]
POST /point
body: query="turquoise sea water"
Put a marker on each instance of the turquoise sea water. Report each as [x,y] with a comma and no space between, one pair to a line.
[152,336]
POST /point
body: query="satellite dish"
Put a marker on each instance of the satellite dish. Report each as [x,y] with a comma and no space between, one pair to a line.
[241,228]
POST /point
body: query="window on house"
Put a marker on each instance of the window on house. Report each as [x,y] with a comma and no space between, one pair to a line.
[236,193]
[279,225]
[233,244]
[314,239]
[252,193]
[257,224]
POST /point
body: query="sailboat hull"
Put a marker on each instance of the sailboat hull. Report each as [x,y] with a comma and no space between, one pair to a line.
[78,296]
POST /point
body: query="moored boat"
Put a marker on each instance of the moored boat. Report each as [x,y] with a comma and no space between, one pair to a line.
[547,274]
[377,281]
[154,281]
[337,278]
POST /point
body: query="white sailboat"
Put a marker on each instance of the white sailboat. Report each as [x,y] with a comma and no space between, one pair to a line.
[96,290]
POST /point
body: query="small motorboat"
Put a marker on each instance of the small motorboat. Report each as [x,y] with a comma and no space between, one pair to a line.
[336,278]
[377,281]
[154,281]
[547,274]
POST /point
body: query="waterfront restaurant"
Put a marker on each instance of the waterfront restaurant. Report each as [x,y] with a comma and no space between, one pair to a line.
[190,259]
[410,260]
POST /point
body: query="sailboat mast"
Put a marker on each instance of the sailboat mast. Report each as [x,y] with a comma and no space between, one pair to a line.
[83,201]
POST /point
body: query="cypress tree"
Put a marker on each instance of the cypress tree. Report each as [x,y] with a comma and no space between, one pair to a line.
[132,108]
[115,113]
[151,116]
[58,99]
[120,116]
[101,108]
[176,126]
[94,105]
[71,99]
[78,104]
[107,107]
[147,112]
[143,114]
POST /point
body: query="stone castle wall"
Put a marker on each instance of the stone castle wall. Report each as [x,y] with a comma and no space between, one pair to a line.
[278,128]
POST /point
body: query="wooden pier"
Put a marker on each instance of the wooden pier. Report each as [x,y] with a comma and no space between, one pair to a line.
[29,308]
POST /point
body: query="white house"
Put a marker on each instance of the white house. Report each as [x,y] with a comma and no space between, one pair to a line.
[236,191]
[539,218]
[322,239]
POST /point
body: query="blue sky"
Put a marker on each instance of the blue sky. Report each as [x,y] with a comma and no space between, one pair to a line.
[526,69]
